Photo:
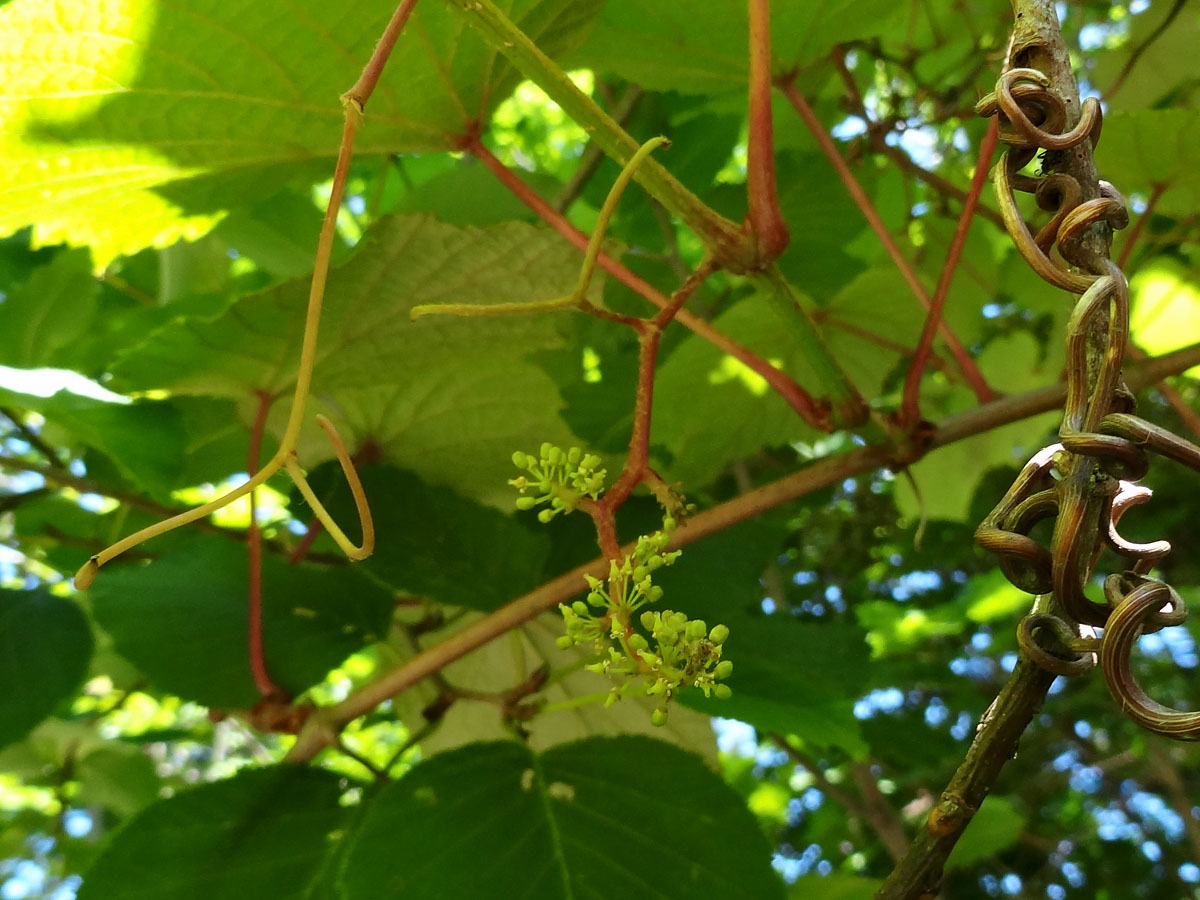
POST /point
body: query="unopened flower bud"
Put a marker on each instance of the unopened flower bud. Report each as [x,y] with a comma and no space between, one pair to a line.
[659,717]
[719,634]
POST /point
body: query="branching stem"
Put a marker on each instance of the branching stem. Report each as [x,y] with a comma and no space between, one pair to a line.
[965,363]
[254,630]
[796,397]
[323,726]
[910,410]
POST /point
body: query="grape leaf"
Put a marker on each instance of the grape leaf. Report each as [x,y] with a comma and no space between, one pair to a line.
[265,833]
[135,123]
[405,387]
[603,817]
[182,620]
[45,647]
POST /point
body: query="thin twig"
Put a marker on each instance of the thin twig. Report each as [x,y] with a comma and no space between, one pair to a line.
[31,437]
[961,356]
[910,409]
[876,137]
[254,630]
[1138,51]
[894,842]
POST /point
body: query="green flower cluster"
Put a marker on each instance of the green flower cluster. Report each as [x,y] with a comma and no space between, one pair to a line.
[674,652]
[559,478]
[684,653]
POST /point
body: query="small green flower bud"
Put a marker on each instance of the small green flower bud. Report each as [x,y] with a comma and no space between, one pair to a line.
[637,642]
[676,620]
[696,629]
[649,620]
[573,455]
[598,668]
[654,594]
[719,634]
[580,607]
[595,598]
[545,449]
[520,460]
[659,717]
[724,669]
[545,516]
[526,502]
[564,642]
[640,573]
[722,691]
[669,523]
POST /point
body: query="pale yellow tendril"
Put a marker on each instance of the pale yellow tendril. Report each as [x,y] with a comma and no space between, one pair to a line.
[577,298]
[285,456]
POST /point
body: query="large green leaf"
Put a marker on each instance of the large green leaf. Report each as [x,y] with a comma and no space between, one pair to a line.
[267,833]
[997,826]
[182,620]
[794,678]
[604,817]
[448,398]
[443,547]
[1154,149]
[710,408]
[45,647]
[1165,311]
[45,316]
[136,122]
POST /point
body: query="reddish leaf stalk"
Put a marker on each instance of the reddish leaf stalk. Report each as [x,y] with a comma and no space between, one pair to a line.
[791,392]
[873,338]
[967,365]
[254,631]
[766,219]
[637,461]
[910,409]
[306,541]
[361,92]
